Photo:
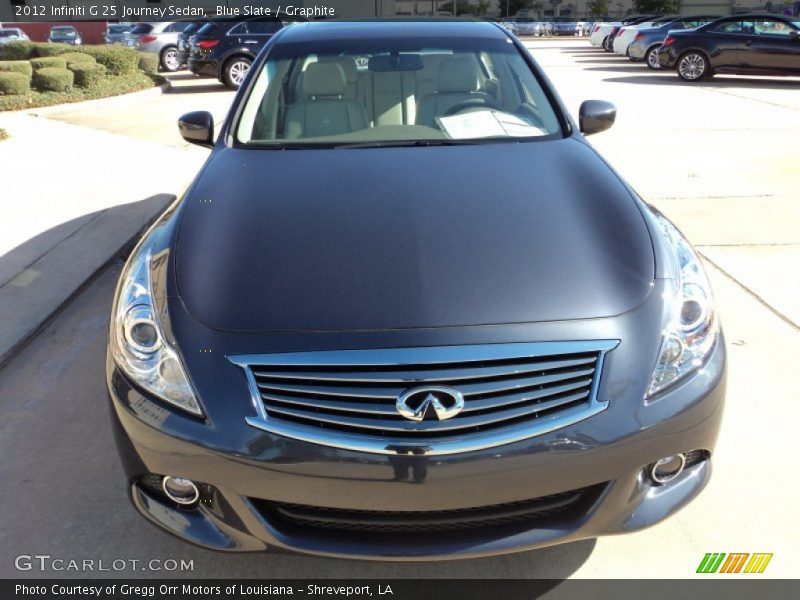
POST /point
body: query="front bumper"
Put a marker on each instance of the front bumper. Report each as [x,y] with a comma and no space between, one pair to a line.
[637,50]
[667,57]
[203,68]
[241,467]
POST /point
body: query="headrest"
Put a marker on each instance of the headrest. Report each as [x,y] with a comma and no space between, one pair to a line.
[456,75]
[324,79]
[348,64]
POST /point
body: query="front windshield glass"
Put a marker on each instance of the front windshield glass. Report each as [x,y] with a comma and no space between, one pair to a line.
[368,91]
[9,33]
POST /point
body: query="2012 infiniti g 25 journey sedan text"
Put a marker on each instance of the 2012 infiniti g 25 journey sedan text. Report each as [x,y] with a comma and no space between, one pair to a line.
[359,334]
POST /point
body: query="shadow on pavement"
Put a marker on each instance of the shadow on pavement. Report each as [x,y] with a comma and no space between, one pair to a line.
[197,89]
[39,276]
[69,490]
[669,77]
[623,68]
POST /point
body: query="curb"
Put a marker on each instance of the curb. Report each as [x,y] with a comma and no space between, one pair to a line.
[120,99]
[37,294]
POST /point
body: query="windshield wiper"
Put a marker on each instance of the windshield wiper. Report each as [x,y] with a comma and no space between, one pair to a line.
[408,143]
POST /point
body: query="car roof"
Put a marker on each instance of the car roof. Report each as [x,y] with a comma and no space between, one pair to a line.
[329,30]
[762,15]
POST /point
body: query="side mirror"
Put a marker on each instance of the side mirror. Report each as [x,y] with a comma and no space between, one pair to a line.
[596,116]
[197,128]
[794,35]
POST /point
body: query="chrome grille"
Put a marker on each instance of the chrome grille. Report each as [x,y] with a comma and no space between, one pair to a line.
[347,399]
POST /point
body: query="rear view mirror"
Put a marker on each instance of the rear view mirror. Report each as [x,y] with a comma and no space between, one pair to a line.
[596,116]
[197,128]
[394,62]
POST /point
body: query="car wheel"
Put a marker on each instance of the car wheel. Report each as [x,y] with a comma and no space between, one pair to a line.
[607,44]
[169,59]
[236,70]
[651,58]
[692,66]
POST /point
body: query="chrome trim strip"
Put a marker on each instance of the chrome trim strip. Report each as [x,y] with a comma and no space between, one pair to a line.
[428,355]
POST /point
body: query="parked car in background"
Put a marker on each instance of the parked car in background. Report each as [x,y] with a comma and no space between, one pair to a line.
[12,34]
[183,41]
[525,26]
[160,39]
[566,28]
[117,34]
[747,44]
[646,42]
[65,34]
[225,48]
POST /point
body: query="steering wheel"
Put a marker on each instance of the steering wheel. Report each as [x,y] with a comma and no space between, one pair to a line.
[472,103]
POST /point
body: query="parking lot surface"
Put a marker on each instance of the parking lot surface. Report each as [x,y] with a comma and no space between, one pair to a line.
[719,158]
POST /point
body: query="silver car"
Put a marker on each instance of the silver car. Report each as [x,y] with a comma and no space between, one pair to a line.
[12,34]
[159,38]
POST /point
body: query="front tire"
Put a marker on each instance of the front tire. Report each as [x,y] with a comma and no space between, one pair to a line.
[606,45]
[169,59]
[651,58]
[235,71]
[693,66]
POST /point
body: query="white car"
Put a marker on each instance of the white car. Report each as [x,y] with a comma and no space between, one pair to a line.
[626,35]
[601,32]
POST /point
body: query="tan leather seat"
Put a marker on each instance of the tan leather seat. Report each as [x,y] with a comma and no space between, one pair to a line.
[456,82]
[326,111]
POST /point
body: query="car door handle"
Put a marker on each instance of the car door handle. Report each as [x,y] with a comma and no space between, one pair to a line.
[748,42]
[251,41]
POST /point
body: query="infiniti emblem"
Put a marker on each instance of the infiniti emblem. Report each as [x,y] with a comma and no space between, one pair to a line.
[415,403]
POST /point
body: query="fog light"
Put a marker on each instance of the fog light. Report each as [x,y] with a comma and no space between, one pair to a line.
[667,468]
[182,491]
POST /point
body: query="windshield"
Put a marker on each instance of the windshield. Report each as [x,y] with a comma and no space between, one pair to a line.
[63,30]
[117,29]
[394,92]
[9,33]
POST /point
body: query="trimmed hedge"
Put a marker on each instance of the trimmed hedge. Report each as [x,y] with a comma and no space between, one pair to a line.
[17,66]
[16,51]
[44,49]
[52,79]
[78,58]
[14,83]
[148,62]
[87,74]
[48,62]
[117,59]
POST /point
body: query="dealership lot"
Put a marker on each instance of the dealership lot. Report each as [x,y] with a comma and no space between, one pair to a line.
[719,158]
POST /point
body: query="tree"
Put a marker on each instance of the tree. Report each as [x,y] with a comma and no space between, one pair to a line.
[598,7]
[659,7]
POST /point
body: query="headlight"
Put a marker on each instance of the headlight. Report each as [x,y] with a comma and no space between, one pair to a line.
[138,345]
[693,326]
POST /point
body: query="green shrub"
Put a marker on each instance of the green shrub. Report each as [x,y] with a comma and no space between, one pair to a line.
[14,83]
[17,66]
[117,59]
[48,62]
[87,74]
[78,58]
[16,51]
[43,49]
[148,62]
[52,79]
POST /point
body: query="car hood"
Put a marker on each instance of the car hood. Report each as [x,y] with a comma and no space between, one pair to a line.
[388,238]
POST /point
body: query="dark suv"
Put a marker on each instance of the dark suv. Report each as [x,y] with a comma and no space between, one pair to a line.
[225,48]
